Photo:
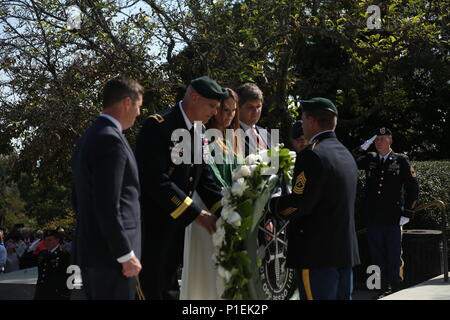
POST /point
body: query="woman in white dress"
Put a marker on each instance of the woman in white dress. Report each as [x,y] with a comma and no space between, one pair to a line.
[198,279]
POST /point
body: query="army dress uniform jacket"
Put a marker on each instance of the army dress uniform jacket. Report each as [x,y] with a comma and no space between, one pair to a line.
[52,275]
[167,190]
[321,233]
[384,203]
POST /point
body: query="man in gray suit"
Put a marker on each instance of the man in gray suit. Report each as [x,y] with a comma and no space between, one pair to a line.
[107,244]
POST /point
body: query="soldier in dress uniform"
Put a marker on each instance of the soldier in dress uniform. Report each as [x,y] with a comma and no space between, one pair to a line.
[167,187]
[322,243]
[386,208]
[52,268]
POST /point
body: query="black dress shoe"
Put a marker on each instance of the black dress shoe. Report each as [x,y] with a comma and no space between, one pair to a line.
[383,294]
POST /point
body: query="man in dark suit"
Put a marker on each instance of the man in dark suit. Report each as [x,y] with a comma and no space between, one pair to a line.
[250,107]
[167,185]
[322,243]
[388,174]
[106,192]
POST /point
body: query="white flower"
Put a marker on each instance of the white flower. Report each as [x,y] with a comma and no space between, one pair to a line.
[239,187]
[220,285]
[236,174]
[224,273]
[219,236]
[264,154]
[234,219]
[226,196]
[225,193]
[226,211]
[245,171]
[293,154]
[253,159]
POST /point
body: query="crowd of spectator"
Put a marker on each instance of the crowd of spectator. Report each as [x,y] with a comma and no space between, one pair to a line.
[20,247]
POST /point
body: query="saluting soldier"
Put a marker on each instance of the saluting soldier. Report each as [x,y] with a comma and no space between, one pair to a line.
[388,176]
[52,269]
[322,243]
[167,187]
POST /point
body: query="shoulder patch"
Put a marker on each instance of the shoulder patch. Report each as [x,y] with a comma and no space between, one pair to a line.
[300,183]
[157,117]
[402,156]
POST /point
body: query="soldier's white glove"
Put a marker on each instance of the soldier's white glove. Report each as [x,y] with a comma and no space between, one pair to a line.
[403,220]
[367,143]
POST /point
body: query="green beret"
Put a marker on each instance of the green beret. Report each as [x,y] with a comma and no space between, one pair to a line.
[383,132]
[318,104]
[297,129]
[209,88]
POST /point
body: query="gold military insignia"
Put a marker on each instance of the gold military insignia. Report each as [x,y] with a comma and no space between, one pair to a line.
[413,172]
[176,200]
[288,211]
[157,117]
[300,183]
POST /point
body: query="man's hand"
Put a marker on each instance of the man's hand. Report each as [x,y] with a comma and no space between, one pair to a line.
[131,268]
[367,143]
[207,221]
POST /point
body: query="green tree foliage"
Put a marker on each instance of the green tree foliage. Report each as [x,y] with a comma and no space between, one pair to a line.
[12,206]
[51,75]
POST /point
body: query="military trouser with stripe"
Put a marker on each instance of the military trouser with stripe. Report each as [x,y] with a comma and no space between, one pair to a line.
[325,283]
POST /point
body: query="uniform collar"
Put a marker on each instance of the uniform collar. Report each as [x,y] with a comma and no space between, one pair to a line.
[324,133]
[189,124]
[113,120]
[385,156]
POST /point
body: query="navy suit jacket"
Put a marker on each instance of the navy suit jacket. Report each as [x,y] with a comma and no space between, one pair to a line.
[105,197]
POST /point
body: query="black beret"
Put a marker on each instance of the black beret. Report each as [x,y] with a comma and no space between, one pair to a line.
[297,129]
[52,232]
[383,131]
[318,104]
[209,88]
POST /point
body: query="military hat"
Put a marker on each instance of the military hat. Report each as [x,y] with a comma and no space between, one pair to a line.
[209,88]
[383,131]
[52,232]
[318,104]
[297,130]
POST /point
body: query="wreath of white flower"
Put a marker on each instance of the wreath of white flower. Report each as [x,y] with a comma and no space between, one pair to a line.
[236,219]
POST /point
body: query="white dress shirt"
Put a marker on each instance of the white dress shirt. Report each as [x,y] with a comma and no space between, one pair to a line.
[186,119]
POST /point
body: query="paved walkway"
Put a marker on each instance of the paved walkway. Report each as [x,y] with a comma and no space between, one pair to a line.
[433,289]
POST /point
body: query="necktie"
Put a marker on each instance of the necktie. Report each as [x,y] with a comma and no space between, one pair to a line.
[259,142]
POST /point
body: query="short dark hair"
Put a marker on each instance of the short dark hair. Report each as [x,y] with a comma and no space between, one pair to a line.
[249,91]
[121,87]
[326,119]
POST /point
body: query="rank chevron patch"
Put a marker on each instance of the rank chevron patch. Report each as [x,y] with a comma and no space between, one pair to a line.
[300,183]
